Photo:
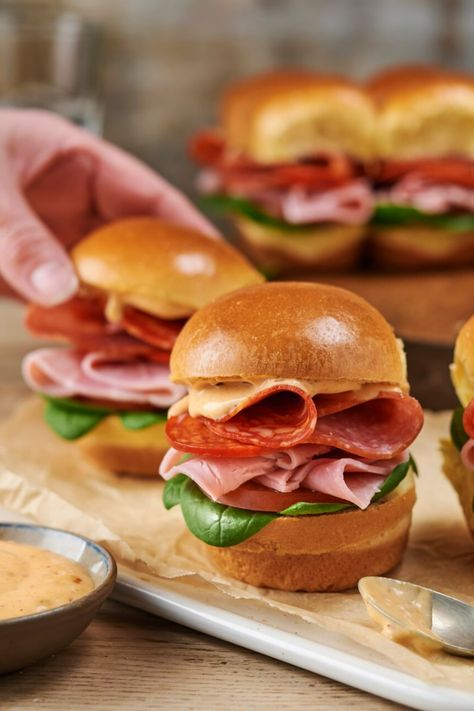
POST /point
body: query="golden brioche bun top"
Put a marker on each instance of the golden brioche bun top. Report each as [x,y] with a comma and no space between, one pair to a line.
[423,111]
[162,268]
[281,116]
[462,370]
[289,330]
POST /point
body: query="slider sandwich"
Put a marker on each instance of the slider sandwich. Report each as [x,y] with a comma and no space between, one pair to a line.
[109,388]
[458,451]
[424,178]
[289,454]
[286,163]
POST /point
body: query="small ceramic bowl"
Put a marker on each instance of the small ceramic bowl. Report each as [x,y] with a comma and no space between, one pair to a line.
[25,640]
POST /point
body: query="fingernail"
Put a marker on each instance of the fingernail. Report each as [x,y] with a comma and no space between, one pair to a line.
[54,282]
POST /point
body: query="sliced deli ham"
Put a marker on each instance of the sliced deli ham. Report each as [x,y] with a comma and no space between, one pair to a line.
[432,198]
[347,479]
[467,454]
[468,419]
[279,417]
[377,429]
[68,372]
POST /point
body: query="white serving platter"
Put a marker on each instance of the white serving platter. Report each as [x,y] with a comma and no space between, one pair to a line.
[284,637]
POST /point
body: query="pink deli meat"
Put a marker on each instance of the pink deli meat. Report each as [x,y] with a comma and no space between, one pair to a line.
[349,204]
[68,372]
[435,198]
[305,466]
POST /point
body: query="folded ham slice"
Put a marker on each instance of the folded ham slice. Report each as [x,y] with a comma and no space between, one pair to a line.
[467,454]
[69,372]
[430,197]
[306,466]
[468,418]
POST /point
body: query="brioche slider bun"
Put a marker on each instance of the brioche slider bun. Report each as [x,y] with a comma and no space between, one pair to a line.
[289,330]
[302,332]
[162,268]
[323,553]
[122,451]
[283,116]
[422,111]
[168,271]
[462,375]
[414,247]
[329,248]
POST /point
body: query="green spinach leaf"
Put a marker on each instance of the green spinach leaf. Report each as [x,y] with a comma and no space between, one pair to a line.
[136,420]
[241,206]
[458,434]
[69,423]
[216,524]
[172,491]
[392,215]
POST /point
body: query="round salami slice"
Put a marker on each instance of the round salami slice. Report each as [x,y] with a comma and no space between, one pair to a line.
[328,404]
[156,331]
[468,419]
[377,429]
[282,416]
[79,319]
[445,170]
[190,434]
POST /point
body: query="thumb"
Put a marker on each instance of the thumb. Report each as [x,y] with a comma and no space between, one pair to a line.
[31,260]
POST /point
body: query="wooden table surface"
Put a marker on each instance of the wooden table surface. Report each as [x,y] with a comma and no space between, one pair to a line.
[128,659]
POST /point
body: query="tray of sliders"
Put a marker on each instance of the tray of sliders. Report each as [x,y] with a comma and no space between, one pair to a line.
[292,451]
[292,459]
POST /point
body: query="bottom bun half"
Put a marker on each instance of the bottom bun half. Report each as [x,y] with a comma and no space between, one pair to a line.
[461,478]
[329,248]
[137,452]
[421,248]
[323,553]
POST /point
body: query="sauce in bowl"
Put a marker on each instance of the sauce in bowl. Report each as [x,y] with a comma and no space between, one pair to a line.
[33,580]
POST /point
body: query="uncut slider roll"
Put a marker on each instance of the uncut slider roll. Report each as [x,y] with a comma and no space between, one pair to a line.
[424,180]
[109,387]
[458,451]
[289,454]
[286,163]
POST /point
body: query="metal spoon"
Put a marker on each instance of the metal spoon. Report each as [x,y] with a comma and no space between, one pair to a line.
[420,617]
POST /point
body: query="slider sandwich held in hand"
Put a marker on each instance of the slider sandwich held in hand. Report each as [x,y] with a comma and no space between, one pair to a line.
[458,451]
[289,454]
[287,163]
[109,389]
[423,180]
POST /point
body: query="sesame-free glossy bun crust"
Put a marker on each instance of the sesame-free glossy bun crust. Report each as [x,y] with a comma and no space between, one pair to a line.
[423,111]
[328,248]
[461,478]
[122,451]
[280,116]
[147,258]
[288,330]
[323,553]
[413,247]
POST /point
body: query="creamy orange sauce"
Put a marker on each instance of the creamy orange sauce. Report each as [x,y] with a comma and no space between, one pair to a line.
[34,580]
[411,607]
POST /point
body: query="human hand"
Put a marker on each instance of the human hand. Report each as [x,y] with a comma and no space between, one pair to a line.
[57,182]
